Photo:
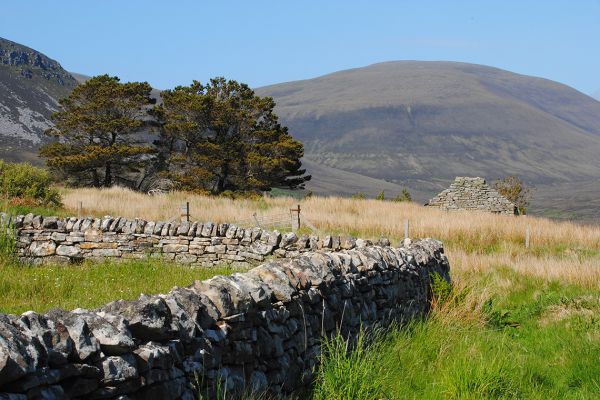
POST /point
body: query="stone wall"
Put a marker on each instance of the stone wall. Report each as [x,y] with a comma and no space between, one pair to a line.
[257,330]
[472,194]
[56,240]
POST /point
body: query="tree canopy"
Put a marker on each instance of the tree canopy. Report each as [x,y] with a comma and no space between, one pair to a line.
[221,137]
[98,132]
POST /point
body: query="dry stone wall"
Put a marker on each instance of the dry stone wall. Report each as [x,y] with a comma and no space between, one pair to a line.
[259,330]
[472,194]
[64,240]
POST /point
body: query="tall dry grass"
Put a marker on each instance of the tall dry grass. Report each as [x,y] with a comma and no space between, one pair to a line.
[566,268]
[470,231]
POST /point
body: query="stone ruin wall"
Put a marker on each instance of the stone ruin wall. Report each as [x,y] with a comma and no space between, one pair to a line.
[472,194]
[259,330]
[64,240]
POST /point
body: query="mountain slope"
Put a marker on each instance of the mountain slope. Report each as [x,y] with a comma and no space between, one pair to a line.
[332,181]
[30,86]
[423,123]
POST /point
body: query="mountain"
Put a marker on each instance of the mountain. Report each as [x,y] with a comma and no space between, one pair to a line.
[596,95]
[30,86]
[386,126]
[420,124]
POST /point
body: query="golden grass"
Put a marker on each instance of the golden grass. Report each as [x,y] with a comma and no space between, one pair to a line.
[570,269]
[475,242]
[366,218]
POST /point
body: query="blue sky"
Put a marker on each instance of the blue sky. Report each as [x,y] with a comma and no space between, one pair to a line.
[168,43]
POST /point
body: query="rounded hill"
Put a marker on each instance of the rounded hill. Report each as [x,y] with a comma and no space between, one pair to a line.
[419,122]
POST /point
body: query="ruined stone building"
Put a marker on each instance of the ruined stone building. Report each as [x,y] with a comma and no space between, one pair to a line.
[472,194]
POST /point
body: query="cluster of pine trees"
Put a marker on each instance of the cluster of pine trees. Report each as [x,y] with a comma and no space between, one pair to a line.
[213,138]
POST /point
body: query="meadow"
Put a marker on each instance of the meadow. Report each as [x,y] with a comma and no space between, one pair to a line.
[517,322]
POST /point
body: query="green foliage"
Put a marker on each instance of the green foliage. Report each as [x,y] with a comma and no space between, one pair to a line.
[515,191]
[496,318]
[8,243]
[404,196]
[359,196]
[96,128]
[14,207]
[26,183]
[536,340]
[348,372]
[380,196]
[441,289]
[221,137]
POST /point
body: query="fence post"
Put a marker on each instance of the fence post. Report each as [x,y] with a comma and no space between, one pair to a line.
[406,229]
[297,211]
[185,211]
[256,220]
[527,234]
[80,209]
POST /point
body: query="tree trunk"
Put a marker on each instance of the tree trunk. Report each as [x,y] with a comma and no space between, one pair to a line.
[95,178]
[107,175]
[222,178]
[220,185]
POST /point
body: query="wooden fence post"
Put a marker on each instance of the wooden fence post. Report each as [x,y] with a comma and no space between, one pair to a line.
[297,211]
[80,209]
[256,220]
[185,211]
[527,234]
[406,229]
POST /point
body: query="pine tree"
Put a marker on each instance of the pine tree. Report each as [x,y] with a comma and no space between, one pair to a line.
[222,137]
[98,132]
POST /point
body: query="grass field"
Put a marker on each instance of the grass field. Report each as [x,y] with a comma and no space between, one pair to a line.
[91,285]
[497,334]
[365,218]
[517,323]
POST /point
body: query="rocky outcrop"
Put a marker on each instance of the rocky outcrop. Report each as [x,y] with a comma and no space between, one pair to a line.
[30,62]
[31,84]
[63,240]
[259,330]
[472,194]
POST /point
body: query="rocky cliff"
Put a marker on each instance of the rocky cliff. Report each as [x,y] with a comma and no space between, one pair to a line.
[30,86]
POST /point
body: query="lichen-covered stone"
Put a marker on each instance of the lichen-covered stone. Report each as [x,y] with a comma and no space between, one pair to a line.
[68,251]
[259,329]
[42,249]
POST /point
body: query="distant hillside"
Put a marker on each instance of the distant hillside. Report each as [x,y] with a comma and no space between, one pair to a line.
[30,86]
[423,123]
[333,181]
[596,95]
[384,127]
[80,78]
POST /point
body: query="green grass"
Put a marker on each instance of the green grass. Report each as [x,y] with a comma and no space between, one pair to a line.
[43,211]
[358,374]
[531,339]
[91,285]
[496,334]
